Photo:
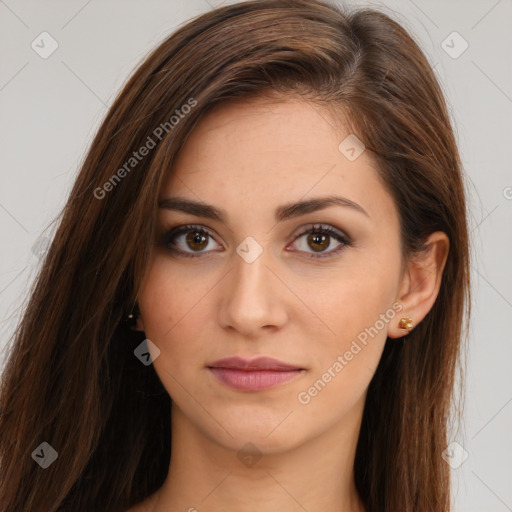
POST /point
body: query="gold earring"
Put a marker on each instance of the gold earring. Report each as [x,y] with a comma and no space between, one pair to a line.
[405,324]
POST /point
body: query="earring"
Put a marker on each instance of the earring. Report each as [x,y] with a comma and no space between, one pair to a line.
[131,321]
[405,324]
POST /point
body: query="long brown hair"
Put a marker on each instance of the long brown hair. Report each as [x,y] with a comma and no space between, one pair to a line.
[72,379]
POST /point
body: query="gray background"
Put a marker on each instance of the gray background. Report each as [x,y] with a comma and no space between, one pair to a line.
[52,107]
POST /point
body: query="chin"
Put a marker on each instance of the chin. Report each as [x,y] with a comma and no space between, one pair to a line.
[269,435]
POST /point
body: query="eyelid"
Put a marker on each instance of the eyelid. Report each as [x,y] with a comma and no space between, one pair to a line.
[321,227]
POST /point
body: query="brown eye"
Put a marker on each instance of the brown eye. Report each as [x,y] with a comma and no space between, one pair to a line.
[318,242]
[188,241]
[197,240]
[193,241]
[320,238]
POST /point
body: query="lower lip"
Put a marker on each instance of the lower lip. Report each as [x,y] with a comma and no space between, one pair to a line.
[255,380]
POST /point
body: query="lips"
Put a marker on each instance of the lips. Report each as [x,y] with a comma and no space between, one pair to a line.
[260,363]
[253,375]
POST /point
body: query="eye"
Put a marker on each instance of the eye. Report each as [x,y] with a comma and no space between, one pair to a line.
[183,238]
[192,241]
[320,238]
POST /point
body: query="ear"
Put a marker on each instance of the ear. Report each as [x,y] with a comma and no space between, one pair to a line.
[420,283]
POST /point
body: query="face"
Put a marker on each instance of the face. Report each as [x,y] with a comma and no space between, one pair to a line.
[314,287]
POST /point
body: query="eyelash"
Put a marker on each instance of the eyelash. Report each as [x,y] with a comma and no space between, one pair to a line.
[170,235]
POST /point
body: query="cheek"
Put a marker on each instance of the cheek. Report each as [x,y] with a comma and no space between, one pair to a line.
[173,302]
[352,298]
[346,361]
[355,310]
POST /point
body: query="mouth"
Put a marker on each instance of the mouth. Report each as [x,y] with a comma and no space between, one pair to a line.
[253,375]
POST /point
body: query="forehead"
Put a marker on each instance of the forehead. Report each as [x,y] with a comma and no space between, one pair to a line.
[249,154]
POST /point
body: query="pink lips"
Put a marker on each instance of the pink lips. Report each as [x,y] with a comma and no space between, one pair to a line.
[253,375]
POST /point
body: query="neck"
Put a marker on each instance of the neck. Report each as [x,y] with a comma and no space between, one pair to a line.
[315,476]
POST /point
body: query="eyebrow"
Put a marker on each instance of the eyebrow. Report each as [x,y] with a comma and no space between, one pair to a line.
[284,212]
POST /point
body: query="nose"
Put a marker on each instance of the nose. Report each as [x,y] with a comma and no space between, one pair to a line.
[253,298]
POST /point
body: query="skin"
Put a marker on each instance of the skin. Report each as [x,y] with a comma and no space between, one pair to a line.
[248,158]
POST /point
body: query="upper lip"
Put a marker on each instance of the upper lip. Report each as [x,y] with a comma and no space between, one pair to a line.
[260,363]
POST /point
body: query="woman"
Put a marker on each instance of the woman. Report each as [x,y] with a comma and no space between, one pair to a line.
[255,296]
